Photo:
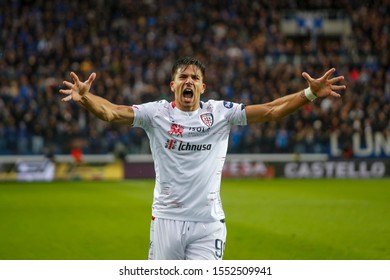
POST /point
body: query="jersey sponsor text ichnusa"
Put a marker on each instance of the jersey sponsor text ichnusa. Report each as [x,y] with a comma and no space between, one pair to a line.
[186,146]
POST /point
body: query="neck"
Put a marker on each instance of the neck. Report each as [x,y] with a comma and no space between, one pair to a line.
[185,108]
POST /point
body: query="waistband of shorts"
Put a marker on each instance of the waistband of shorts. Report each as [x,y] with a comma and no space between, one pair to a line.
[221,220]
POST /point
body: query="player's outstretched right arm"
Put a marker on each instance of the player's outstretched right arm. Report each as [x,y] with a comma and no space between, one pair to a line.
[79,92]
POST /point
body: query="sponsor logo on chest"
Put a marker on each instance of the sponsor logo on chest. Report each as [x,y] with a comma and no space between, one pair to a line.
[177,130]
[171,144]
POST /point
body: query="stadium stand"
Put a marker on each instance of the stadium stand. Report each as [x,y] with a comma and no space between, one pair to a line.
[249,58]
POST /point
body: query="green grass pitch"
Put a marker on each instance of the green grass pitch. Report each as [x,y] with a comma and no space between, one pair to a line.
[266,220]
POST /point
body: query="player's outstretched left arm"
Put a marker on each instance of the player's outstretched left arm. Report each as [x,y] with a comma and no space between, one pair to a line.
[279,108]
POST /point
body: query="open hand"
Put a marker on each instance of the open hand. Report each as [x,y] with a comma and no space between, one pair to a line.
[77,89]
[325,86]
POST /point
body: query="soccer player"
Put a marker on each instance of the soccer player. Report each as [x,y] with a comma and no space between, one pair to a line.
[189,140]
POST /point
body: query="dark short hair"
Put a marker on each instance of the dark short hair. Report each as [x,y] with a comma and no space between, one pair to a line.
[186,61]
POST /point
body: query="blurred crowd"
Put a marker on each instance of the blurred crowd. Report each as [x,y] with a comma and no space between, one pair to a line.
[131,45]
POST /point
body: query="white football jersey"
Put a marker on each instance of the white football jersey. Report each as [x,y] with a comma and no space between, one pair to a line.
[189,151]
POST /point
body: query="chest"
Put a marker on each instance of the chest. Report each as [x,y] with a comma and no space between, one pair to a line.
[191,127]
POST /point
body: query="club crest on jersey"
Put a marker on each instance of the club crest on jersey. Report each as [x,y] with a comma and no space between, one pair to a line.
[228,104]
[207,119]
[176,130]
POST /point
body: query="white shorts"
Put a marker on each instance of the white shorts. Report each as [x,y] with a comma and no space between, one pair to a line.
[180,240]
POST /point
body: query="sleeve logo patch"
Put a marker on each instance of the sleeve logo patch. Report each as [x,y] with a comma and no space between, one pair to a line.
[228,104]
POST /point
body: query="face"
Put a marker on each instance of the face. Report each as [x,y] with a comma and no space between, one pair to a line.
[188,86]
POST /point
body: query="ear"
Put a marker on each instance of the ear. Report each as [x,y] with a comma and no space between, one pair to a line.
[203,89]
[171,85]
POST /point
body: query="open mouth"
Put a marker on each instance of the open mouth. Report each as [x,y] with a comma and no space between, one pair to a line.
[188,94]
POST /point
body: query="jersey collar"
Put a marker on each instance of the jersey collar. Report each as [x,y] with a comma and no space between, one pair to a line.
[173,104]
